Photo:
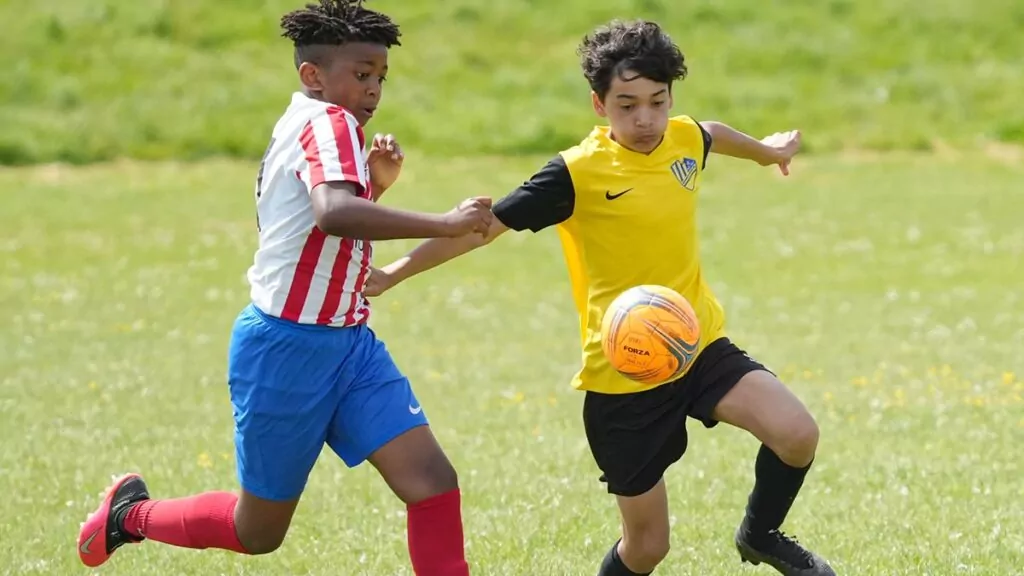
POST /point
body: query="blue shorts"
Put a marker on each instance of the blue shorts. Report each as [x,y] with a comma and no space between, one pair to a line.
[295,387]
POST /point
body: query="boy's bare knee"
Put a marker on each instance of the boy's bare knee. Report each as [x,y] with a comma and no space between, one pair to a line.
[257,544]
[261,525]
[415,467]
[800,442]
[260,537]
[436,477]
[645,549]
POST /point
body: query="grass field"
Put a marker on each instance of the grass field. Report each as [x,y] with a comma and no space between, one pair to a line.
[882,281]
[157,79]
[885,290]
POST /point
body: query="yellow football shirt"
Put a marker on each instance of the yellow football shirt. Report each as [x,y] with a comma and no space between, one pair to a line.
[624,219]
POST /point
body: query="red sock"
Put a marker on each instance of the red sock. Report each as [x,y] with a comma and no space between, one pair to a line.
[203,521]
[436,546]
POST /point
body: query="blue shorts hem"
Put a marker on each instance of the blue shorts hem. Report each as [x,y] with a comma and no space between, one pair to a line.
[265,494]
[385,437]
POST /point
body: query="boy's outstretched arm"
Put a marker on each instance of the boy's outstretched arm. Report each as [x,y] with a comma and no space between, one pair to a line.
[427,255]
[337,185]
[339,211]
[546,199]
[779,148]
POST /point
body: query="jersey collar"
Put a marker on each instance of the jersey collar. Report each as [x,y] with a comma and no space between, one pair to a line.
[602,135]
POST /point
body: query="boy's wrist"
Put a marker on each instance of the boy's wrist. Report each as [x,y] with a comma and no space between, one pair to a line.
[392,274]
[402,269]
[769,155]
[441,225]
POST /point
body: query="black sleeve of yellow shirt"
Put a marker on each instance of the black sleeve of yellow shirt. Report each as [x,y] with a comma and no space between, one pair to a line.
[707,145]
[546,199]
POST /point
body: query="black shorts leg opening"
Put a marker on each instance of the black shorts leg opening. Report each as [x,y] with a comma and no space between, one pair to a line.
[718,369]
[634,438]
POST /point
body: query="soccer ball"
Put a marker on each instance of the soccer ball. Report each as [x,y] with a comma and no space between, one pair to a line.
[650,334]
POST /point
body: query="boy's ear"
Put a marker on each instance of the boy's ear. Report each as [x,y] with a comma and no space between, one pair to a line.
[598,105]
[309,74]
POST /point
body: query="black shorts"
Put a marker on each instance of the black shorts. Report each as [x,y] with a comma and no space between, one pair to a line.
[635,437]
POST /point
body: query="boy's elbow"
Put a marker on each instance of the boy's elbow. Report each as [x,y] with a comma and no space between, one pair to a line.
[335,208]
[332,221]
[332,211]
[713,127]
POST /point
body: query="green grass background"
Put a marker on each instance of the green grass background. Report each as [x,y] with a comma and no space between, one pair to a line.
[885,292]
[157,79]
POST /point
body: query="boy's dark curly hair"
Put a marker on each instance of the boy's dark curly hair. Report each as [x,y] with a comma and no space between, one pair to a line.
[336,22]
[641,46]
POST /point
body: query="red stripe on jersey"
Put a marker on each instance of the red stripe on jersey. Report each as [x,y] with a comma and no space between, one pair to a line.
[348,151]
[304,271]
[357,291]
[316,167]
[336,285]
[366,313]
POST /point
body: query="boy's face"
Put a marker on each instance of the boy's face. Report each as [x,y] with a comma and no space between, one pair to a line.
[351,76]
[637,109]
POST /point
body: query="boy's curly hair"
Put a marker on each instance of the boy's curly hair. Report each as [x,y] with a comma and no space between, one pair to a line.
[336,22]
[641,46]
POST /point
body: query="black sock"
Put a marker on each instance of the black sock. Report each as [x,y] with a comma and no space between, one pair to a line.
[613,566]
[776,485]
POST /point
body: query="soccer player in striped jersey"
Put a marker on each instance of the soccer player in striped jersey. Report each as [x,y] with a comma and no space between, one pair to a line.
[304,368]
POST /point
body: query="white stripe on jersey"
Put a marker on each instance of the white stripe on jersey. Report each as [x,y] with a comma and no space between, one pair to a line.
[339,167]
[318,290]
[299,273]
[350,298]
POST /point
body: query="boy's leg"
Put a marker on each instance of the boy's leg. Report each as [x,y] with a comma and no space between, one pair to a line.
[281,416]
[242,523]
[379,419]
[419,473]
[743,393]
[645,534]
[634,438]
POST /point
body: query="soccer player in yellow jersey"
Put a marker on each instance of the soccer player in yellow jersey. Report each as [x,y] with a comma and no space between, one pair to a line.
[624,203]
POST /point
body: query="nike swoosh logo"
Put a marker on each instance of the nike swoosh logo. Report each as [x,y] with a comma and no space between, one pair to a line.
[84,548]
[611,196]
[415,410]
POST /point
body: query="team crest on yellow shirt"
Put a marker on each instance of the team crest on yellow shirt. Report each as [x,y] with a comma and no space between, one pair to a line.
[685,171]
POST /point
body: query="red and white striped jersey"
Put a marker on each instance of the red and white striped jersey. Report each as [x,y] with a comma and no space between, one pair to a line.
[299,273]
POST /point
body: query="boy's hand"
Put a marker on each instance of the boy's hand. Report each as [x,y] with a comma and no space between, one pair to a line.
[378,283]
[785,145]
[472,215]
[385,161]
